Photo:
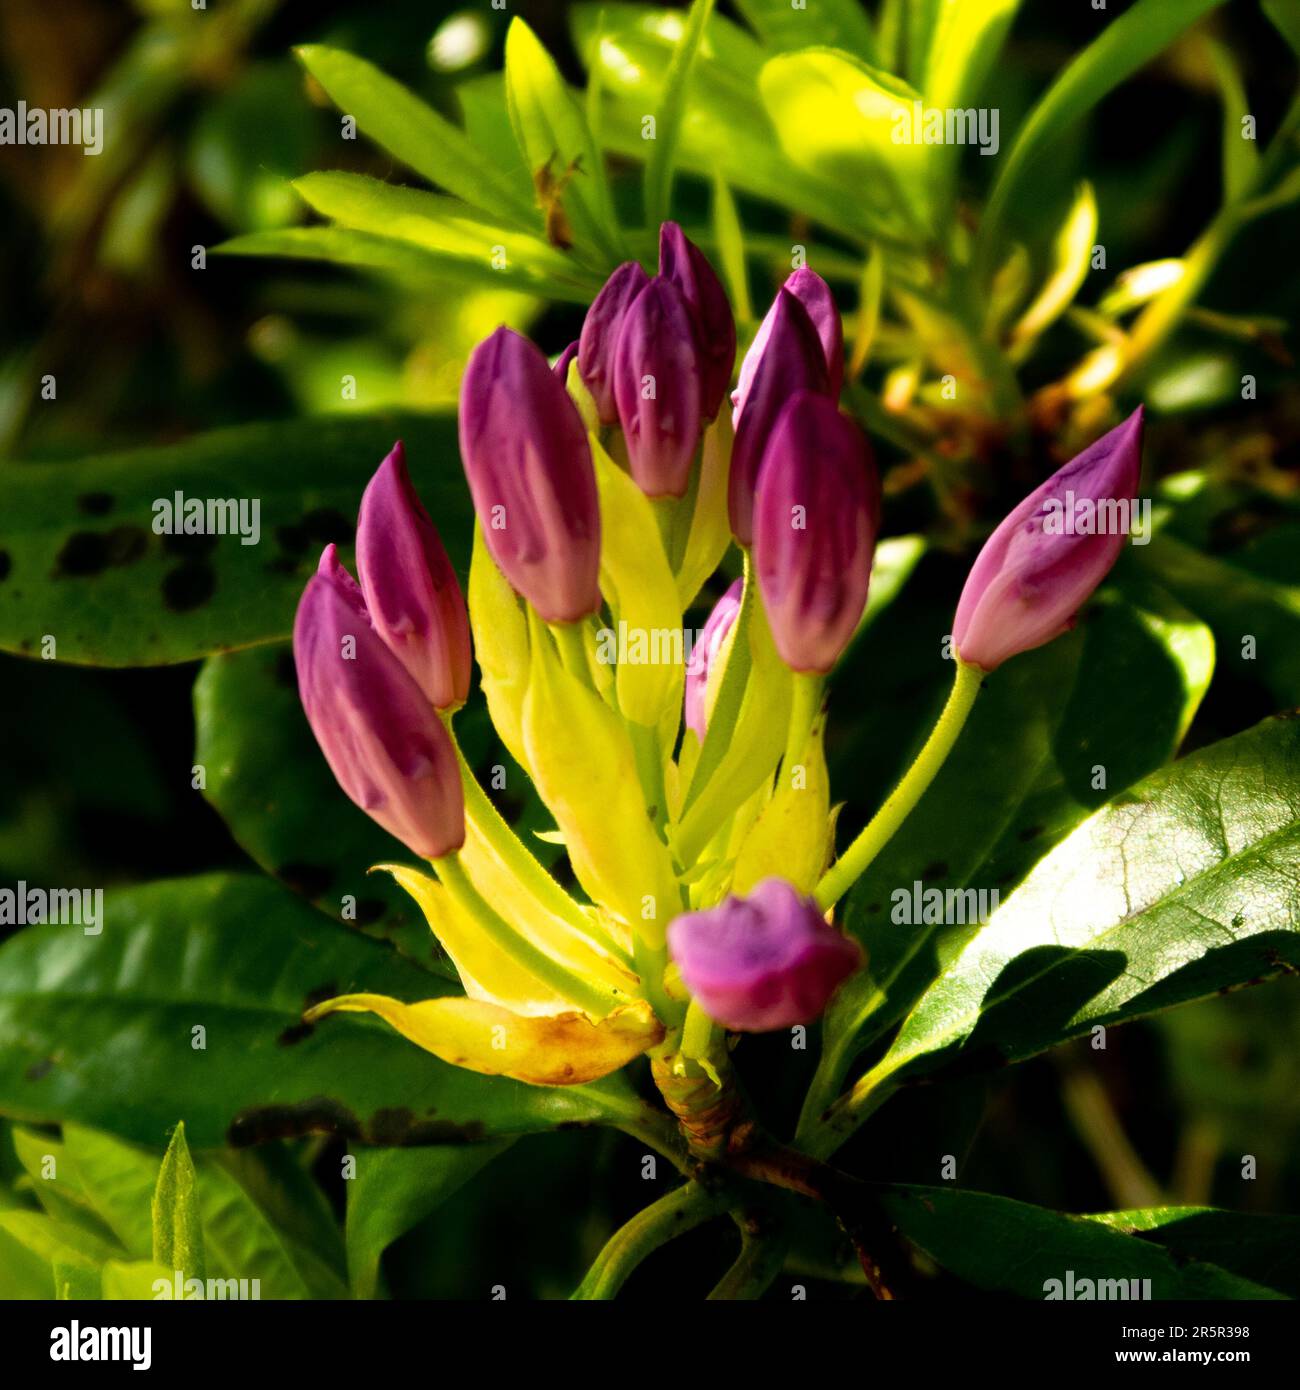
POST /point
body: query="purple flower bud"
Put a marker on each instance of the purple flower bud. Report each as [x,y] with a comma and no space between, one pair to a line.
[704,656]
[682,262]
[792,361]
[410,588]
[381,737]
[600,330]
[657,389]
[816,515]
[529,468]
[815,295]
[561,367]
[1037,569]
[766,961]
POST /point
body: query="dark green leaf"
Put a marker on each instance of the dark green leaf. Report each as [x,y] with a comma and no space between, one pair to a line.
[112,592]
[395,1189]
[1010,1247]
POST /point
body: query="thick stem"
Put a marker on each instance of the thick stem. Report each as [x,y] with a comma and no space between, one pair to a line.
[804,705]
[851,865]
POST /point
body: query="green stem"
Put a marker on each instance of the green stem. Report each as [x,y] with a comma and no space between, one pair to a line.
[764,1244]
[804,704]
[673,1214]
[513,853]
[591,998]
[850,866]
[573,649]
[650,771]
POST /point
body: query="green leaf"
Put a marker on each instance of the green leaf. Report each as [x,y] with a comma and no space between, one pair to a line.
[1125,44]
[1183,886]
[726,130]
[1285,15]
[963,45]
[1238,604]
[1264,1249]
[134,1280]
[87,568]
[414,133]
[1010,1247]
[835,117]
[671,113]
[835,23]
[554,136]
[32,1244]
[177,1231]
[415,266]
[1240,156]
[392,1191]
[270,783]
[239,957]
[1027,758]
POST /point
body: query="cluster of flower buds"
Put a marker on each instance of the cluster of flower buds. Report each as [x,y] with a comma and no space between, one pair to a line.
[606,487]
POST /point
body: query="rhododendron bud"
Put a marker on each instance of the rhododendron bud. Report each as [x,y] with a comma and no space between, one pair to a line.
[704,657]
[1046,558]
[657,389]
[561,367]
[792,361]
[815,295]
[683,263]
[816,515]
[381,737]
[410,588]
[529,468]
[600,330]
[769,960]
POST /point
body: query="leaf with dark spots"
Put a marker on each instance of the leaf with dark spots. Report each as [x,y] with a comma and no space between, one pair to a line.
[126,597]
[95,503]
[295,1033]
[311,880]
[236,956]
[188,586]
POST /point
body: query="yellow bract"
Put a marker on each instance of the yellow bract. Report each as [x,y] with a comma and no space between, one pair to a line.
[583,763]
[560,1050]
[791,837]
[500,645]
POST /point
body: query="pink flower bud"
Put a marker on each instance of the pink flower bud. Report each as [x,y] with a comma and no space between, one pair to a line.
[815,295]
[381,737]
[600,330]
[766,961]
[816,515]
[704,656]
[529,468]
[1046,558]
[410,588]
[792,360]
[657,389]
[682,262]
[561,367]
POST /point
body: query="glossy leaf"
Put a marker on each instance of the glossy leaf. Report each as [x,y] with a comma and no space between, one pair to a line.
[1180,887]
